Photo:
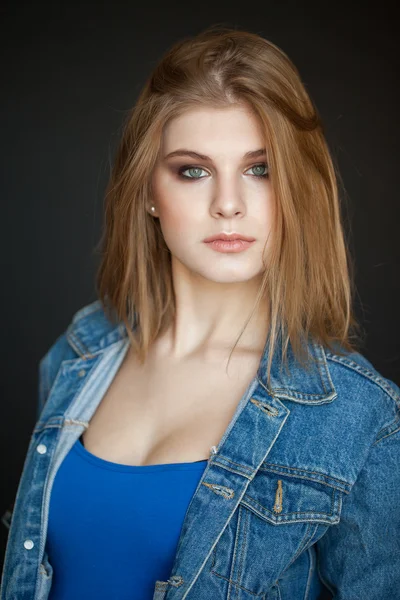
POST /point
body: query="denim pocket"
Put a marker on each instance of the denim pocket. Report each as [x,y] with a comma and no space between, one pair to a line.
[289,499]
[278,517]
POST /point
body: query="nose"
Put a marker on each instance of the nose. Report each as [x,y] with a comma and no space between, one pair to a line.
[227,200]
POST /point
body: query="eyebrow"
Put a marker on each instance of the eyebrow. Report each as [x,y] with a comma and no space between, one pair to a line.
[185,152]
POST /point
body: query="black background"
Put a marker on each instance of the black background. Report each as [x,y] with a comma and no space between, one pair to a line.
[69,74]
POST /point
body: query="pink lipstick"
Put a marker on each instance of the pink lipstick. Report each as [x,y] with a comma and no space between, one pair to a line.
[229,242]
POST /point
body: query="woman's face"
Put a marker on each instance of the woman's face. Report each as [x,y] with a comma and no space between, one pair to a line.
[221,191]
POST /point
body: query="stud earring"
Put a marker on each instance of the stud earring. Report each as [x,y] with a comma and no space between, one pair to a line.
[152,209]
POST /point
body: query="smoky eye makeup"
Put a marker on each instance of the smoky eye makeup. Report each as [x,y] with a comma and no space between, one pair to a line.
[181,169]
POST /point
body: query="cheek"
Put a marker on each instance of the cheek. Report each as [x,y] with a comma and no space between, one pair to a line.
[177,212]
[178,221]
[173,223]
[266,210]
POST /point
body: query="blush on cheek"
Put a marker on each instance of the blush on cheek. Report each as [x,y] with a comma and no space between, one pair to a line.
[173,223]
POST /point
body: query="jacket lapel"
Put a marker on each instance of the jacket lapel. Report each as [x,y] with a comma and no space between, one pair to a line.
[223,485]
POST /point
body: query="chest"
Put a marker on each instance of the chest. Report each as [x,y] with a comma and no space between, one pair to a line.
[168,413]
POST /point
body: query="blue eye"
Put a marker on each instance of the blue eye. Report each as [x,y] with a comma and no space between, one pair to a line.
[194,170]
[258,167]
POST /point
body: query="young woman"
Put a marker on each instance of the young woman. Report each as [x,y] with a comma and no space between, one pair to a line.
[207,427]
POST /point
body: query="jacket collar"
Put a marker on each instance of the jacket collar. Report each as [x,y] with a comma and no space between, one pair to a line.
[91,332]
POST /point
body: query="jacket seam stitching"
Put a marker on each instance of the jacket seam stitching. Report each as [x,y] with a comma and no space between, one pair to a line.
[376,442]
[264,468]
[381,382]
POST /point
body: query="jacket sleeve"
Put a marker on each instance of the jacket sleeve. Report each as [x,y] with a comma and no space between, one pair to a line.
[47,372]
[48,368]
[360,556]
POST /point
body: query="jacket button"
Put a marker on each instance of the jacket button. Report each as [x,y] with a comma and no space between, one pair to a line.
[82,373]
[28,544]
[42,449]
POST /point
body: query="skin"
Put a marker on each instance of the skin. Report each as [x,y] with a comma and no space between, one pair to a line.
[177,405]
[214,291]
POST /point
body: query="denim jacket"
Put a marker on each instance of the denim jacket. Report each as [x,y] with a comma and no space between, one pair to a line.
[300,500]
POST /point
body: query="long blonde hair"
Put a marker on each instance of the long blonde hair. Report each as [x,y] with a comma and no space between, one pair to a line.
[309,276]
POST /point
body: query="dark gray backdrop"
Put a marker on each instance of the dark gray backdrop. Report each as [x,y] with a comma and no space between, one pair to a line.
[71,71]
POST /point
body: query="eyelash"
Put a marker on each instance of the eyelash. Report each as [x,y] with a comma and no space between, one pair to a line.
[187,167]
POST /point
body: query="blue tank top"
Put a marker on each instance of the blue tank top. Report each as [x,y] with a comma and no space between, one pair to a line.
[113,529]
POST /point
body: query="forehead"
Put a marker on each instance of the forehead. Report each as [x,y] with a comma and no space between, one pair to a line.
[210,130]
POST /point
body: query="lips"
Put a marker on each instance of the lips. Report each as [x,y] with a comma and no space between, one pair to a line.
[229,237]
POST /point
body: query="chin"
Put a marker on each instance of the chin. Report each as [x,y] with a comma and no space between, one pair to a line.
[226,275]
